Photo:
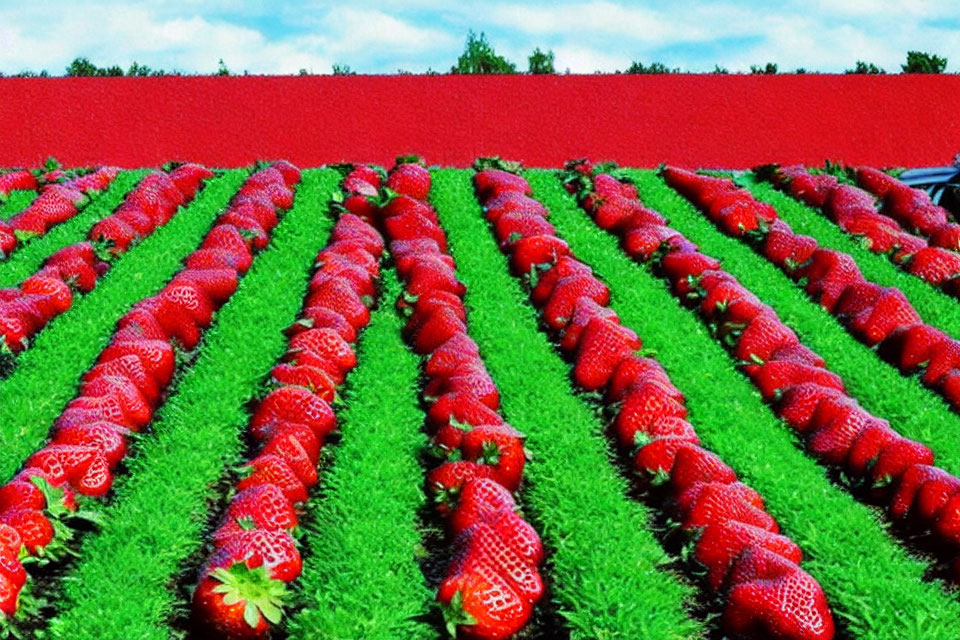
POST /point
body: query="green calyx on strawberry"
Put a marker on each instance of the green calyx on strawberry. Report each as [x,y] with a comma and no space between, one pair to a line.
[455,616]
[239,602]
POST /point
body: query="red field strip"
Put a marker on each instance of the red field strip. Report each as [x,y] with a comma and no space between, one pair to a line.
[754,567]
[724,121]
[27,309]
[805,394]
[493,582]
[120,394]
[57,203]
[254,554]
[878,316]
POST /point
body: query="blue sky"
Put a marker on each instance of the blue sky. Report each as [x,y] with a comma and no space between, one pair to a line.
[381,37]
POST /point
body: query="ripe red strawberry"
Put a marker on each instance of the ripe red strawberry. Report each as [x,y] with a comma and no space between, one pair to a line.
[253,232]
[679,266]
[776,375]
[828,274]
[946,236]
[320,317]
[264,506]
[273,470]
[157,357]
[719,546]
[512,227]
[533,251]
[833,440]
[762,337]
[14,333]
[275,551]
[257,208]
[892,311]
[512,202]
[336,294]
[446,482]
[439,327]
[642,408]
[491,182]
[326,343]
[403,206]
[948,521]
[53,289]
[481,605]
[411,180]
[187,178]
[773,598]
[462,407]
[481,545]
[912,346]
[519,534]
[191,299]
[9,596]
[238,603]
[414,226]
[876,182]
[659,455]
[584,311]
[480,500]
[716,502]
[603,344]
[228,239]
[943,359]
[874,438]
[693,464]
[217,284]
[735,212]
[564,296]
[214,259]
[298,446]
[289,171]
[353,228]
[787,249]
[35,530]
[136,409]
[313,378]
[447,357]
[923,492]
[632,372]
[499,447]
[8,240]
[934,265]
[294,404]
[702,190]
[10,566]
[106,437]
[896,458]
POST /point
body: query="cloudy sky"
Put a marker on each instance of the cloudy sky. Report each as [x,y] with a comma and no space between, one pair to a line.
[381,37]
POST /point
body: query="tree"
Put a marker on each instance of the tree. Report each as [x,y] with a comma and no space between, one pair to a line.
[478,57]
[343,70]
[920,62]
[540,62]
[768,69]
[867,68]
[720,70]
[653,67]
[222,68]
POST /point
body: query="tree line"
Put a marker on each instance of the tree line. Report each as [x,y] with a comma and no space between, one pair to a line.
[479,58]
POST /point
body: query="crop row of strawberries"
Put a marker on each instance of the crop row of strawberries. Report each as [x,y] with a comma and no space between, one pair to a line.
[121,392]
[27,309]
[806,395]
[876,315]
[17,179]
[493,581]
[242,585]
[57,202]
[753,567]
[855,211]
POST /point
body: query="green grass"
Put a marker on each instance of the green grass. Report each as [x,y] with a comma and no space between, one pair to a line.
[874,586]
[121,587]
[48,372]
[603,568]
[361,578]
[27,258]
[912,409]
[17,202]
[934,306]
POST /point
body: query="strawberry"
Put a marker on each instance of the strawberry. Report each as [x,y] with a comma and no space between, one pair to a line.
[9,596]
[238,603]
[191,299]
[320,317]
[350,227]
[462,407]
[946,236]
[276,551]
[499,447]
[923,492]
[156,356]
[512,227]
[253,232]
[446,358]
[35,529]
[773,598]
[720,544]
[313,378]
[934,265]
[214,259]
[681,266]
[536,251]
[336,294]
[876,182]
[857,299]
[217,284]
[298,447]
[658,456]
[702,190]
[411,180]
[187,178]
[481,545]
[491,182]
[834,439]
[8,239]
[438,328]
[776,375]
[603,344]
[896,458]
[115,233]
[828,274]
[446,482]
[14,333]
[10,566]
[892,311]
[762,337]
[106,437]
[263,506]
[635,370]
[228,239]
[260,209]
[268,469]
[289,171]
[136,410]
[643,407]
[481,605]
[425,277]
[585,310]
[480,500]
[902,199]
[403,206]
[512,202]
[948,521]
[294,404]
[53,289]
[716,502]
[943,359]
[564,296]
[325,343]
[414,226]
[693,464]
[912,346]
[787,249]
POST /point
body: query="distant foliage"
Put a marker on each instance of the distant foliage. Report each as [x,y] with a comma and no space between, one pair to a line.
[540,62]
[222,68]
[920,62]
[653,67]
[343,70]
[478,57]
[867,68]
[83,67]
[720,70]
[768,69]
